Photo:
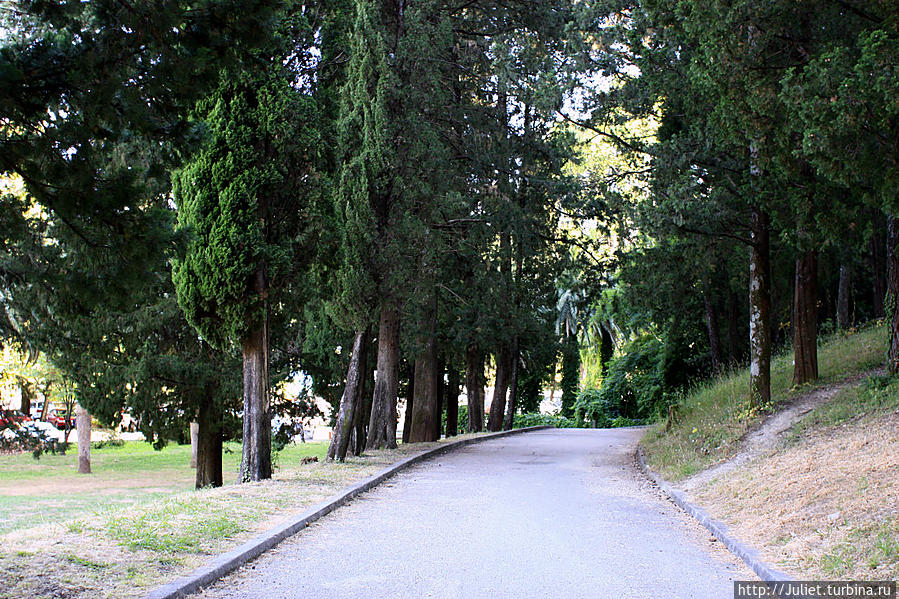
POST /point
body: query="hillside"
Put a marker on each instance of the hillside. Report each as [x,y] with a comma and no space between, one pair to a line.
[812,482]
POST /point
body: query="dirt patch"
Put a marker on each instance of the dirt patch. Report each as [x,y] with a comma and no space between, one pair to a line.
[767,436]
[825,508]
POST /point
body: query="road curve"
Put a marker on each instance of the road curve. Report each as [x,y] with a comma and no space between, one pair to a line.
[557,513]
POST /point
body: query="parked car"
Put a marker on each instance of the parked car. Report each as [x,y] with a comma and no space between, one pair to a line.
[57,418]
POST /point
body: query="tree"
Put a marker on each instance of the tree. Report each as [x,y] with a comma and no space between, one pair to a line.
[248,200]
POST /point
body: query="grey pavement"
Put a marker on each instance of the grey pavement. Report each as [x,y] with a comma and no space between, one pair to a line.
[556,513]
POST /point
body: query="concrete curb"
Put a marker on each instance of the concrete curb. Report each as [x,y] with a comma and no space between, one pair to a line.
[746,553]
[227,562]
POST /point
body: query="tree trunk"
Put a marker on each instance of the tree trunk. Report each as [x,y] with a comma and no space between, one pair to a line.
[256,463]
[352,397]
[26,388]
[194,427]
[734,341]
[711,322]
[209,445]
[382,423]
[425,404]
[452,401]
[843,297]
[360,418]
[879,267]
[501,385]
[439,395]
[474,385]
[893,293]
[513,387]
[759,310]
[410,401]
[83,420]
[805,319]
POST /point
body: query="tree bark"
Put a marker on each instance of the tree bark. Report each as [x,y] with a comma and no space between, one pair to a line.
[501,385]
[474,385]
[83,420]
[194,431]
[452,401]
[410,401]
[711,322]
[439,395]
[351,399]
[360,419]
[879,267]
[805,319]
[209,445]
[893,293]
[26,388]
[425,404]
[843,297]
[759,310]
[256,462]
[513,386]
[382,423]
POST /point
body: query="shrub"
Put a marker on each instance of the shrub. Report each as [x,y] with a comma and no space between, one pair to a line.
[535,419]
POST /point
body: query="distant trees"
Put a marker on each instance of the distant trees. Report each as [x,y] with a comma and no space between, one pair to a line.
[387,195]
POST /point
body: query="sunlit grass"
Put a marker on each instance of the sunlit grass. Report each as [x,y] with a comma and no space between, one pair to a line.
[38,492]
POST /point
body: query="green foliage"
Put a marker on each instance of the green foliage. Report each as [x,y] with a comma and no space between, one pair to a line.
[635,387]
[537,419]
[238,198]
[571,362]
[95,99]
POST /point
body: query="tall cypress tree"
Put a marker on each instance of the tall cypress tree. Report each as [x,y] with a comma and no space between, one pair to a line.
[248,200]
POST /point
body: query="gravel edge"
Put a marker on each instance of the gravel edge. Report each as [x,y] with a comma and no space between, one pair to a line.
[228,562]
[746,553]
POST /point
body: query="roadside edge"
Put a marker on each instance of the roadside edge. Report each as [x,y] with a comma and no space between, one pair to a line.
[230,561]
[749,555]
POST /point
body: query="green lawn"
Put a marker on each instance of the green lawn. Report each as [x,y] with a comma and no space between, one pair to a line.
[714,416]
[34,492]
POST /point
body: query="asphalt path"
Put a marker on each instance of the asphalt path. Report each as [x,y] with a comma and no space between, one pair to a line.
[549,514]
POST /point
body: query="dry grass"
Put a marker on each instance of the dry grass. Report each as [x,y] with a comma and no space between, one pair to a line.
[823,507]
[123,551]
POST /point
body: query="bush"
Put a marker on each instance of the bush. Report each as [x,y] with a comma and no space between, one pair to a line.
[26,437]
[637,386]
[535,419]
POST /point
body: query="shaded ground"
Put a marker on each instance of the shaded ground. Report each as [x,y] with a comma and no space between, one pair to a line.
[557,513]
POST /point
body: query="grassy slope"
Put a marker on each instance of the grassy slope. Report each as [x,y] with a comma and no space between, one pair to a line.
[714,416]
[823,504]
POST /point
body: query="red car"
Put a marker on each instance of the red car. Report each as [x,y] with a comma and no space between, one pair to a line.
[57,418]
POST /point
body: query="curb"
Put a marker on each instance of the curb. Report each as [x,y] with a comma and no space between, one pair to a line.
[746,553]
[227,562]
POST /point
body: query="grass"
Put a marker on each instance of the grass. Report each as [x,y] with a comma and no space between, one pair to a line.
[871,398]
[40,492]
[713,417]
[137,522]
[872,546]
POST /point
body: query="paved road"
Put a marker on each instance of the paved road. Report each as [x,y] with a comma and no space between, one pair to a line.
[549,514]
